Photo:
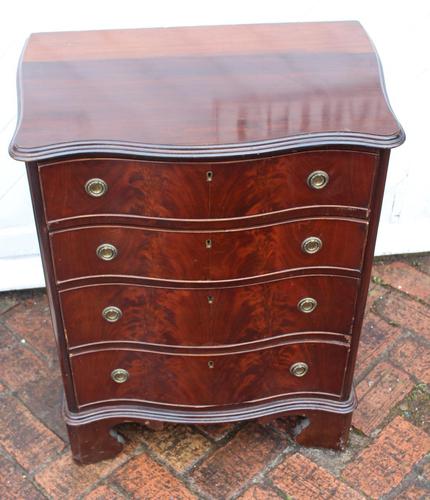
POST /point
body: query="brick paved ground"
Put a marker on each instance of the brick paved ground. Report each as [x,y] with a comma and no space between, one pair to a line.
[389,441]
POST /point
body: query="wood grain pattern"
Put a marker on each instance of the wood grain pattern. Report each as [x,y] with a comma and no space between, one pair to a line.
[173,255]
[189,381]
[214,317]
[181,190]
[208,332]
[200,92]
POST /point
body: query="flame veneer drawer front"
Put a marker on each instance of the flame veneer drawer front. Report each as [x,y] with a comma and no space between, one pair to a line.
[209,380]
[208,317]
[223,255]
[207,190]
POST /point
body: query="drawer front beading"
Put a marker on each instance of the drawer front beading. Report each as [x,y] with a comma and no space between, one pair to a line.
[170,190]
[208,317]
[210,380]
[222,255]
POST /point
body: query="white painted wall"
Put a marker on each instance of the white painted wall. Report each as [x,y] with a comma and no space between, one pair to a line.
[400,31]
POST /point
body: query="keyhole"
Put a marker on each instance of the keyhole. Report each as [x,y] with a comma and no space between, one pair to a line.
[209,175]
[211,299]
[211,364]
[208,243]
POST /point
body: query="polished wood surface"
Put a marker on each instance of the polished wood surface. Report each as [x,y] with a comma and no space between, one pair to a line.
[212,317]
[94,437]
[180,255]
[205,138]
[188,380]
[183,191]
[200,92]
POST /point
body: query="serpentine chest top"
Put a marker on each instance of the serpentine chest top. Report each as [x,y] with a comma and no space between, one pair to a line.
[207,201]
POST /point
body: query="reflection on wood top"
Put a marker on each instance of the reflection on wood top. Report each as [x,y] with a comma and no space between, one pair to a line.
[201,92]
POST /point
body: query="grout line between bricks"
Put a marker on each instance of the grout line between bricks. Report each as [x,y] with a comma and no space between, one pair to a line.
[400,291]
[261,477]
[386,356]
[181,476]
[227,437]
[107,479]
[410,479]
[410,259]
[15,395]
[27,475]
[28,345]
[356,489]
[383,356]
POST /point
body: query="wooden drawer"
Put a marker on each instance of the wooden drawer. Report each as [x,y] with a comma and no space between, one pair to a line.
[184,191]
[223,255]
[201,380]
[197,317]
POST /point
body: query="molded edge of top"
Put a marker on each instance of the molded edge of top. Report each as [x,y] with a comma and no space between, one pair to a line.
[210,151]
[206,152]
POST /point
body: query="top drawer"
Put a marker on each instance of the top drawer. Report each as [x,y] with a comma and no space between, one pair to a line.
[206,190]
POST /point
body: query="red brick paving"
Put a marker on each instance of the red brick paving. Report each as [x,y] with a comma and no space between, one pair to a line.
[406,313]
[31,321]
[143,478]
[24,437]
[179,446]
[63,478]
[409,350]
[382,389]
[376,292]
[241,459]
[376,337]
[382,466]
[14,483]
[247,461]
[414,493]
[19,364]
[404,277]
[426,472]
[217,431]
[299,477]
[259,493]
[104,492]
[422,262]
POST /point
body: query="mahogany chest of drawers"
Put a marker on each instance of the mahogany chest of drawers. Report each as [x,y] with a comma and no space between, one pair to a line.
[207,202]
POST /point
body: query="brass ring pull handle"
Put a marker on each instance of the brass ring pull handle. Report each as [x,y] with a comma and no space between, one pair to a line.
[318,179]
[112,314]
[119,375]
[307,305]
[311,245]
[106,251]
[96,187]
[299,369]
